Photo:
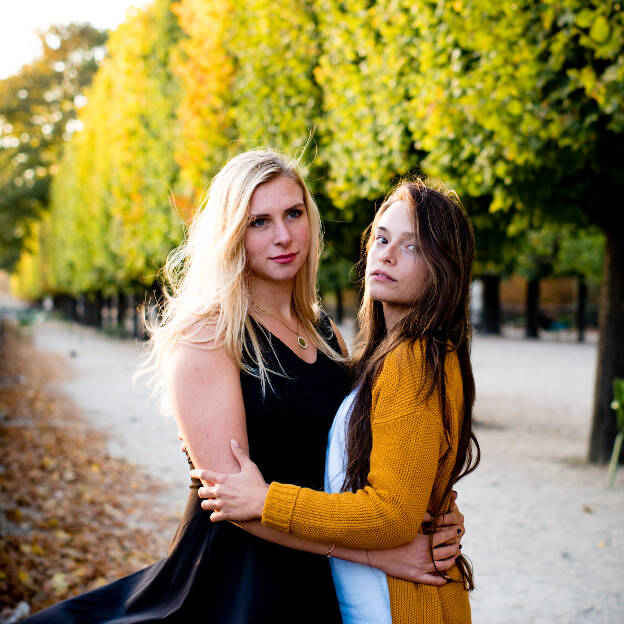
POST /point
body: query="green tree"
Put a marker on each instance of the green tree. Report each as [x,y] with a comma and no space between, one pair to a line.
[276,100]
[525,102]
[38,108]
[362,69]
[111,222]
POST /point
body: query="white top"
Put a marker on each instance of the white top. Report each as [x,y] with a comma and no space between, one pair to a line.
[362,591]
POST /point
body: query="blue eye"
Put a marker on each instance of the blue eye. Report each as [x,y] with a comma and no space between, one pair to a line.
[381,240]
[258,222]
[295,213]
[411,247]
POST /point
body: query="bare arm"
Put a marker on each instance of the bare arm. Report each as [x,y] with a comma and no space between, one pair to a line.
[411,562]
[207,403]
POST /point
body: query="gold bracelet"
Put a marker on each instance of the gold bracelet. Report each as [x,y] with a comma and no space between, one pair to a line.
[330,552]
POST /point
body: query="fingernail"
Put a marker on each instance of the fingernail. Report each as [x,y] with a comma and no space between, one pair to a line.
[235,443]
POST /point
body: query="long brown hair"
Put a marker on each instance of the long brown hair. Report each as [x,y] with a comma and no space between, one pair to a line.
[438,319]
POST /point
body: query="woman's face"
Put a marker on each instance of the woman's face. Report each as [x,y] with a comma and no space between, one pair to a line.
[396,272]
[278,233]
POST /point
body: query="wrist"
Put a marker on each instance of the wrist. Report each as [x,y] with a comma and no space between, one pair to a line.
[262,494]
[370,558]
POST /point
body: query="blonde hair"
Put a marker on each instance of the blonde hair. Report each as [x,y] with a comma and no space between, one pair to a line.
[207,274]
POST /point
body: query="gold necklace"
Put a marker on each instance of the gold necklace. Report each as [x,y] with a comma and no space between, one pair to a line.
[301,341]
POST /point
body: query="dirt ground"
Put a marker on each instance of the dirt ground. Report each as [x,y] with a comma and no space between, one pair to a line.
[62,495]
[545,535]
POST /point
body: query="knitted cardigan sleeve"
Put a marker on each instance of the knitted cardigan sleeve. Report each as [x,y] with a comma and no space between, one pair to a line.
[408,441]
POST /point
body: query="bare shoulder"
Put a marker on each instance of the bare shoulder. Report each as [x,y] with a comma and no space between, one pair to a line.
[200,361]
[341,342]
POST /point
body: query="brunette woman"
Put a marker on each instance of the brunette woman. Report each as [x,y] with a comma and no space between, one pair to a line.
[409,426]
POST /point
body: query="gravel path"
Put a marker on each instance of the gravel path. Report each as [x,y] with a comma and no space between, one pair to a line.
[126,411]
[545,535]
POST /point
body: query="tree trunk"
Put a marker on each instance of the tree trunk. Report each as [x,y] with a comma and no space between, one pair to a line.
[93,309]
[71,308]
[65,304]
[339,305]
[491,311]
[122,309]
[81,309]
[136,325]
[108,304]
[610,348]
[581,308]
[99,306]
[532,308]
[141,303]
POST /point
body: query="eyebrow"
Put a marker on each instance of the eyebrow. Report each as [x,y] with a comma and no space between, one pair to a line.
[404,235]
[266,214]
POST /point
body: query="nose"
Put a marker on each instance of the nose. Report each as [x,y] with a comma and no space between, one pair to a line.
[386,255]
[281,234]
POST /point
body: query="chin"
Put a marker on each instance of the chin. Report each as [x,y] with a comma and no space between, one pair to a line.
[377,292]
[282,275]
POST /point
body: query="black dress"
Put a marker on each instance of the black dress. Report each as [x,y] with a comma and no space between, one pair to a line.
[218,573]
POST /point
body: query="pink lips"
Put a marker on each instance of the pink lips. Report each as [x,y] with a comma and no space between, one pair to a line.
[285,259]
[380,276]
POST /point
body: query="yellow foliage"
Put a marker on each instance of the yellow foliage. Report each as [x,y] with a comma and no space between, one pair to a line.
[206,70]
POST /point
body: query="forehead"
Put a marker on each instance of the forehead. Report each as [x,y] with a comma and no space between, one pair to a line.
[396,218]
[276,195]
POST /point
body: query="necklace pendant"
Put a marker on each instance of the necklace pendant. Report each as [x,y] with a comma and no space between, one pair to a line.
[301,341]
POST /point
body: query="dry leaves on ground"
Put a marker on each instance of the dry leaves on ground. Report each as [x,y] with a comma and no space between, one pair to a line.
[71,517]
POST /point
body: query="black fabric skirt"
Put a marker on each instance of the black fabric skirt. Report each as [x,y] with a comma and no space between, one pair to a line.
[214,573]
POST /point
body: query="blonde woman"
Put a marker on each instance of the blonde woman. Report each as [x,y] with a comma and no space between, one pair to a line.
[244,352]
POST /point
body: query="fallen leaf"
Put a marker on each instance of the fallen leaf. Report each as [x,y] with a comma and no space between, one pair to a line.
[59,583]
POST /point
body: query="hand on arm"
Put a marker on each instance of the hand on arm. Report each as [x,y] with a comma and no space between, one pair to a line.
[240,497]
[414,562]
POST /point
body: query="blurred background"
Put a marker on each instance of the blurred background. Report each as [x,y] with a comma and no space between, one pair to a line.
[114,118]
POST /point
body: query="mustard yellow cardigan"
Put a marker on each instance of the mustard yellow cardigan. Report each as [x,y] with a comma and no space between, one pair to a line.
[410,466]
